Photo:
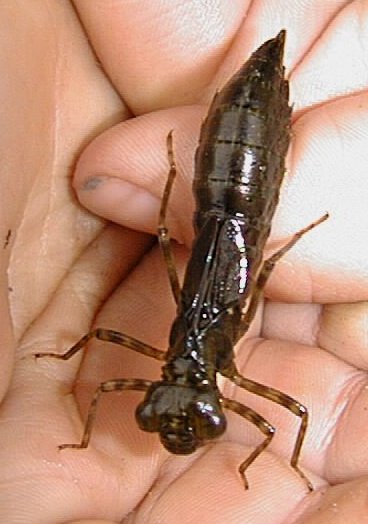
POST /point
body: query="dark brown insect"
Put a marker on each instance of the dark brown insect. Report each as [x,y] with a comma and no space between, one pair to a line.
[238,171]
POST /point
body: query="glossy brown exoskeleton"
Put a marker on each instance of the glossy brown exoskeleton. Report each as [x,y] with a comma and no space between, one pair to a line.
[239,167]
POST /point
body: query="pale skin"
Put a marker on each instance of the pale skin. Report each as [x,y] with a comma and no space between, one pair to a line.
[69,272]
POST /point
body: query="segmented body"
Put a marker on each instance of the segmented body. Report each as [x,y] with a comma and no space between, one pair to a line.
[239,169]
[239,166]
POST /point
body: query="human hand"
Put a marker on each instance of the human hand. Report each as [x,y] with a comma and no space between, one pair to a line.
[65,266]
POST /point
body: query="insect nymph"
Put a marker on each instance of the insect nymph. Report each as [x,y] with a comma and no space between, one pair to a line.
[239,168]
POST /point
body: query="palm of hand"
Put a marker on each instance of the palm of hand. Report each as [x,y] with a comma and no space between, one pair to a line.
[66,265]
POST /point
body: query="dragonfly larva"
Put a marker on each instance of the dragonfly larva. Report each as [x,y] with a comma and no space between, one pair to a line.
[239,166]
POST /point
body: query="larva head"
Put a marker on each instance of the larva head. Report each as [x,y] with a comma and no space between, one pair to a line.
[184,418]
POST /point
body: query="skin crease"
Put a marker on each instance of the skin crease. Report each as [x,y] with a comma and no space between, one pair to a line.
[64,270]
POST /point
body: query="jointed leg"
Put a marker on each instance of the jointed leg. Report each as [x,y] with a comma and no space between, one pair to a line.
[266,271]
[283,400]
[106,387]
[258,421]
[259,389]
[108,335]
[163,233]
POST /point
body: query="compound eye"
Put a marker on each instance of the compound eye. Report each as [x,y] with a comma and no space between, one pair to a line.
[209,420]
[146,417]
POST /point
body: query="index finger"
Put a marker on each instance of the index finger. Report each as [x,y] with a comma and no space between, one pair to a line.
[153,51]
[168,53]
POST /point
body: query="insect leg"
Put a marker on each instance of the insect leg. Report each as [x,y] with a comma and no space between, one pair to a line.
[163,232]
[258,421]
[283,400]
[266,271]
[108,335]
[105,387]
